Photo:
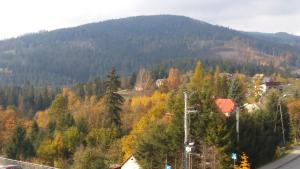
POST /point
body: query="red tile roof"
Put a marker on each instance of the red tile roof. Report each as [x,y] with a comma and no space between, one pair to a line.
[226,106]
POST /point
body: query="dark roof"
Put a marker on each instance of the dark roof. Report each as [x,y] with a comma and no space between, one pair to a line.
[273,83]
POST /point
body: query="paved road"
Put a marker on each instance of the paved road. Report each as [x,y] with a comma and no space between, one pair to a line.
[290,161]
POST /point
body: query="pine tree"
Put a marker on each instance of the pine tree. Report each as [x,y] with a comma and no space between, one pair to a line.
[113,101]
[244,162]
[236,91]
[34,133]
[132,79]
[153,146]
[16,143]
[19,147]
[217,82]
[224,86]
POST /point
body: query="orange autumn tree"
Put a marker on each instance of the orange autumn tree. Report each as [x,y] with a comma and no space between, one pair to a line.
[294,113]
[244,162]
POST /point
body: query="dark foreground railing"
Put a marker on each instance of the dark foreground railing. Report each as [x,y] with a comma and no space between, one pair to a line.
[24,165]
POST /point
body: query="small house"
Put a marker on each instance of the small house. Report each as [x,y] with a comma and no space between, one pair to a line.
[251,107]
[160,82]
[271,85]
[258,76]
[131,163]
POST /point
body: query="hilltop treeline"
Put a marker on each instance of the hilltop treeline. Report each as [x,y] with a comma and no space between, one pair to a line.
[68,56]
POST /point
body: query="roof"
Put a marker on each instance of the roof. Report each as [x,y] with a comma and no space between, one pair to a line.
[273,83]
[115,166]
[134,164]
[226,106]
[266,79]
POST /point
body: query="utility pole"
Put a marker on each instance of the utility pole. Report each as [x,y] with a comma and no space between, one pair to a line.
[281,118]
[187,148]
[237,116]
[283,135]
[238,124]
[185,162]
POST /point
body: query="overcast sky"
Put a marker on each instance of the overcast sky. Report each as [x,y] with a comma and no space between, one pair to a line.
[18,17]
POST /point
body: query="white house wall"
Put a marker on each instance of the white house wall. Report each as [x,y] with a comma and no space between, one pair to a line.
[131,164]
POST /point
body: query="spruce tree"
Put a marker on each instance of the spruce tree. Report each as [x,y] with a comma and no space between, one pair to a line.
[224,86]
[132,80]
[34,134]
[217,82]
[113,100]
[236,91]
[14,148]
[19,147]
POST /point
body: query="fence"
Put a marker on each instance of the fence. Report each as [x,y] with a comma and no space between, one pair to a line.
[23,165]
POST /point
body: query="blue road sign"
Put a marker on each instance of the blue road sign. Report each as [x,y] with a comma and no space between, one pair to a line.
[233,156]
[168,167]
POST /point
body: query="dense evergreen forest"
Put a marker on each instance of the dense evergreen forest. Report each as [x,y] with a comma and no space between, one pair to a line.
[102,122]
[72,55]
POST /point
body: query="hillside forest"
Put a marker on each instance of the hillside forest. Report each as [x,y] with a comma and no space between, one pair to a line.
[102,122]
[73,55]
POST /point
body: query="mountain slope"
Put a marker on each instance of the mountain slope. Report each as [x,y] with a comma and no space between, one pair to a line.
[76,54]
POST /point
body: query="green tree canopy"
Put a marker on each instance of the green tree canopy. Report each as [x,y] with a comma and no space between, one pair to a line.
[113,101]
[19,147]
[236,90]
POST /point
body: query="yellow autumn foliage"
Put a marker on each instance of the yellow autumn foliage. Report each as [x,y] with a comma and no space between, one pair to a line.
[148,100]
[244,162]
[73,99]
[91,109]
[156,112]
[42,118]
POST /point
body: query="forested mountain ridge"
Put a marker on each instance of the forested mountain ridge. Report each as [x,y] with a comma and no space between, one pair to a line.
[75,54]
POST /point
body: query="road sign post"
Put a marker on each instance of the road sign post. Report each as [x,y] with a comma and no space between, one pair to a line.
[234,157]
[168,167]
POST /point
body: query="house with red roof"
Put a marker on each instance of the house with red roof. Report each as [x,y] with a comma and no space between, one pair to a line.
[226,106]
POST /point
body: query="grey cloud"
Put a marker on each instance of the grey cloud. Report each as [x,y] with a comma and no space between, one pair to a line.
[247,15]
[258,15]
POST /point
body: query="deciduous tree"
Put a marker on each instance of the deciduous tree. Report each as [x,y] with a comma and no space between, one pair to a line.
[294,113]
[174,78]
[244,162]
[197,77]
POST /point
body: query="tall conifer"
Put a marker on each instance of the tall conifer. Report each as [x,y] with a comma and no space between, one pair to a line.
[113,101]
